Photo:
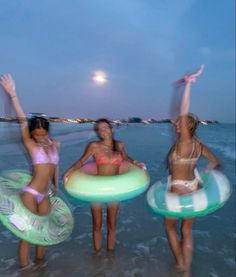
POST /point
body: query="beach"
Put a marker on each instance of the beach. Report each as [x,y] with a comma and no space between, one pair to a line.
[142,248]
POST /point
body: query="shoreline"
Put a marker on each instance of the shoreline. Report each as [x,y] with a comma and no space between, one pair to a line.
[117,121]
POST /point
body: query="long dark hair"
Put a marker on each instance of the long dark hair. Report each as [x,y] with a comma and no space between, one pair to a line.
[38,122]
[105,120]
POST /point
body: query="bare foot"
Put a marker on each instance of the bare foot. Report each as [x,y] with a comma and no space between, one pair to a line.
[186,274]
[179,268]
[96,256]
[26,267]
[111,256]
[40,263]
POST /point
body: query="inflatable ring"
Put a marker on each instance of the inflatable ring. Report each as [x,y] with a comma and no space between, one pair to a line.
[213,194]
[37,229]
[85,185]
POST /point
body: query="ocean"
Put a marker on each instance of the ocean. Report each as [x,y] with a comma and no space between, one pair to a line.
[142,248]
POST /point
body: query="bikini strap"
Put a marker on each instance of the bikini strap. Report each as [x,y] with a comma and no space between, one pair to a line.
[193,149]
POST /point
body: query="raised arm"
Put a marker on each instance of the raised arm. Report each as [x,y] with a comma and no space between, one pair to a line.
[9,87]
[185,102]
[89,151]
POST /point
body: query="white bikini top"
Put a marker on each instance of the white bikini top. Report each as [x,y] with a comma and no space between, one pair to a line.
[177,159]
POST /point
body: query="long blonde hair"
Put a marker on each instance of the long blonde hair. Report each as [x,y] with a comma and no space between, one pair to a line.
[192,125]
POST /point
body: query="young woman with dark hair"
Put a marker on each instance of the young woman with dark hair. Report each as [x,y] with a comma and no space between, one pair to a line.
[43,152]
[108,154]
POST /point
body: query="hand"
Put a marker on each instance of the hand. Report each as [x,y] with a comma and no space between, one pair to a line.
[65,177]
[54,190]
[8,84]
[140,164]
[191,77]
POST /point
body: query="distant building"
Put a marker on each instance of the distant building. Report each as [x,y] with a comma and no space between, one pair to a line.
[135,120]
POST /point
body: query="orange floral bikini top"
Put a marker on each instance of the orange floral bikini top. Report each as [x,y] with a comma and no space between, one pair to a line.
[102,159]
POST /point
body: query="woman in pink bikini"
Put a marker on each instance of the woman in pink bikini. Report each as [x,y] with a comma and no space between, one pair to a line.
[182,160]
[44,155]
[108,154]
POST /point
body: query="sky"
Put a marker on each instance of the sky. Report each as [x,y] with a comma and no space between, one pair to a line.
[53,47]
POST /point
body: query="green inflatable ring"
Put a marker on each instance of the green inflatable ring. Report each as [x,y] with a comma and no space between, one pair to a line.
[85,185]
[40,230]
[213,194]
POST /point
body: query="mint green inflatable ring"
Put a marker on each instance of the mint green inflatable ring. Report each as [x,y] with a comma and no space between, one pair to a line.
[85,185]
[213,194]
[37,229]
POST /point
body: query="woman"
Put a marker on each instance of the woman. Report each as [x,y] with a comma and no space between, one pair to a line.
[182,160]
[108,154]
[43,152]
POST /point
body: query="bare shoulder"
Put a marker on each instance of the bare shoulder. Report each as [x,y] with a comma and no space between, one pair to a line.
[198,142]
[204,150]
[93,144]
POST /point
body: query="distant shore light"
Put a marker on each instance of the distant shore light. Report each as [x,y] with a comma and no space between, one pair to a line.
[99,77]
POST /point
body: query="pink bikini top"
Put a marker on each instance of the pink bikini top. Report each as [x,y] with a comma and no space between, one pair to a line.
[39,156]
[102,159]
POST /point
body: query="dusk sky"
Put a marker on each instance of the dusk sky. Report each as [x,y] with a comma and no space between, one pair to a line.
[53,47]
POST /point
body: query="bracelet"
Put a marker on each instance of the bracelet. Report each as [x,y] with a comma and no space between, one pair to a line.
[13,96]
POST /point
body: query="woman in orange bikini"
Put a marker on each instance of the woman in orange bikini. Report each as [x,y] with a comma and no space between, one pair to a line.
[108,154]
[182,160]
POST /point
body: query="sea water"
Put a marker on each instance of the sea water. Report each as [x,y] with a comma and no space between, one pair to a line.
[141,248]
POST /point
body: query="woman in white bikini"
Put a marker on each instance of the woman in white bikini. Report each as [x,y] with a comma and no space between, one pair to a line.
[182,160]
[44,155]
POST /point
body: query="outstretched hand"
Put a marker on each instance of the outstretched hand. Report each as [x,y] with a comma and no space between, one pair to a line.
[65,177]
[8,84]
[140,164]
[191,77]
[54,190]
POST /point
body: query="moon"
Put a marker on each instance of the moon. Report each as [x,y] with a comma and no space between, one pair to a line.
[99,77]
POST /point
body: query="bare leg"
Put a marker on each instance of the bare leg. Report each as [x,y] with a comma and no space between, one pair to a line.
[187,243]
[170,226]
[112,212]
[96,210]
[23,253]
[43,209]
[23,249]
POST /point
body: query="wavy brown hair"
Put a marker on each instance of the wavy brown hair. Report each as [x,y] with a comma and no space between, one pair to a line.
[105,120]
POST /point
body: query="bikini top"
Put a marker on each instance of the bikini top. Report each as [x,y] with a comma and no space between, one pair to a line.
[177,159]
[102,159]
[39,156]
